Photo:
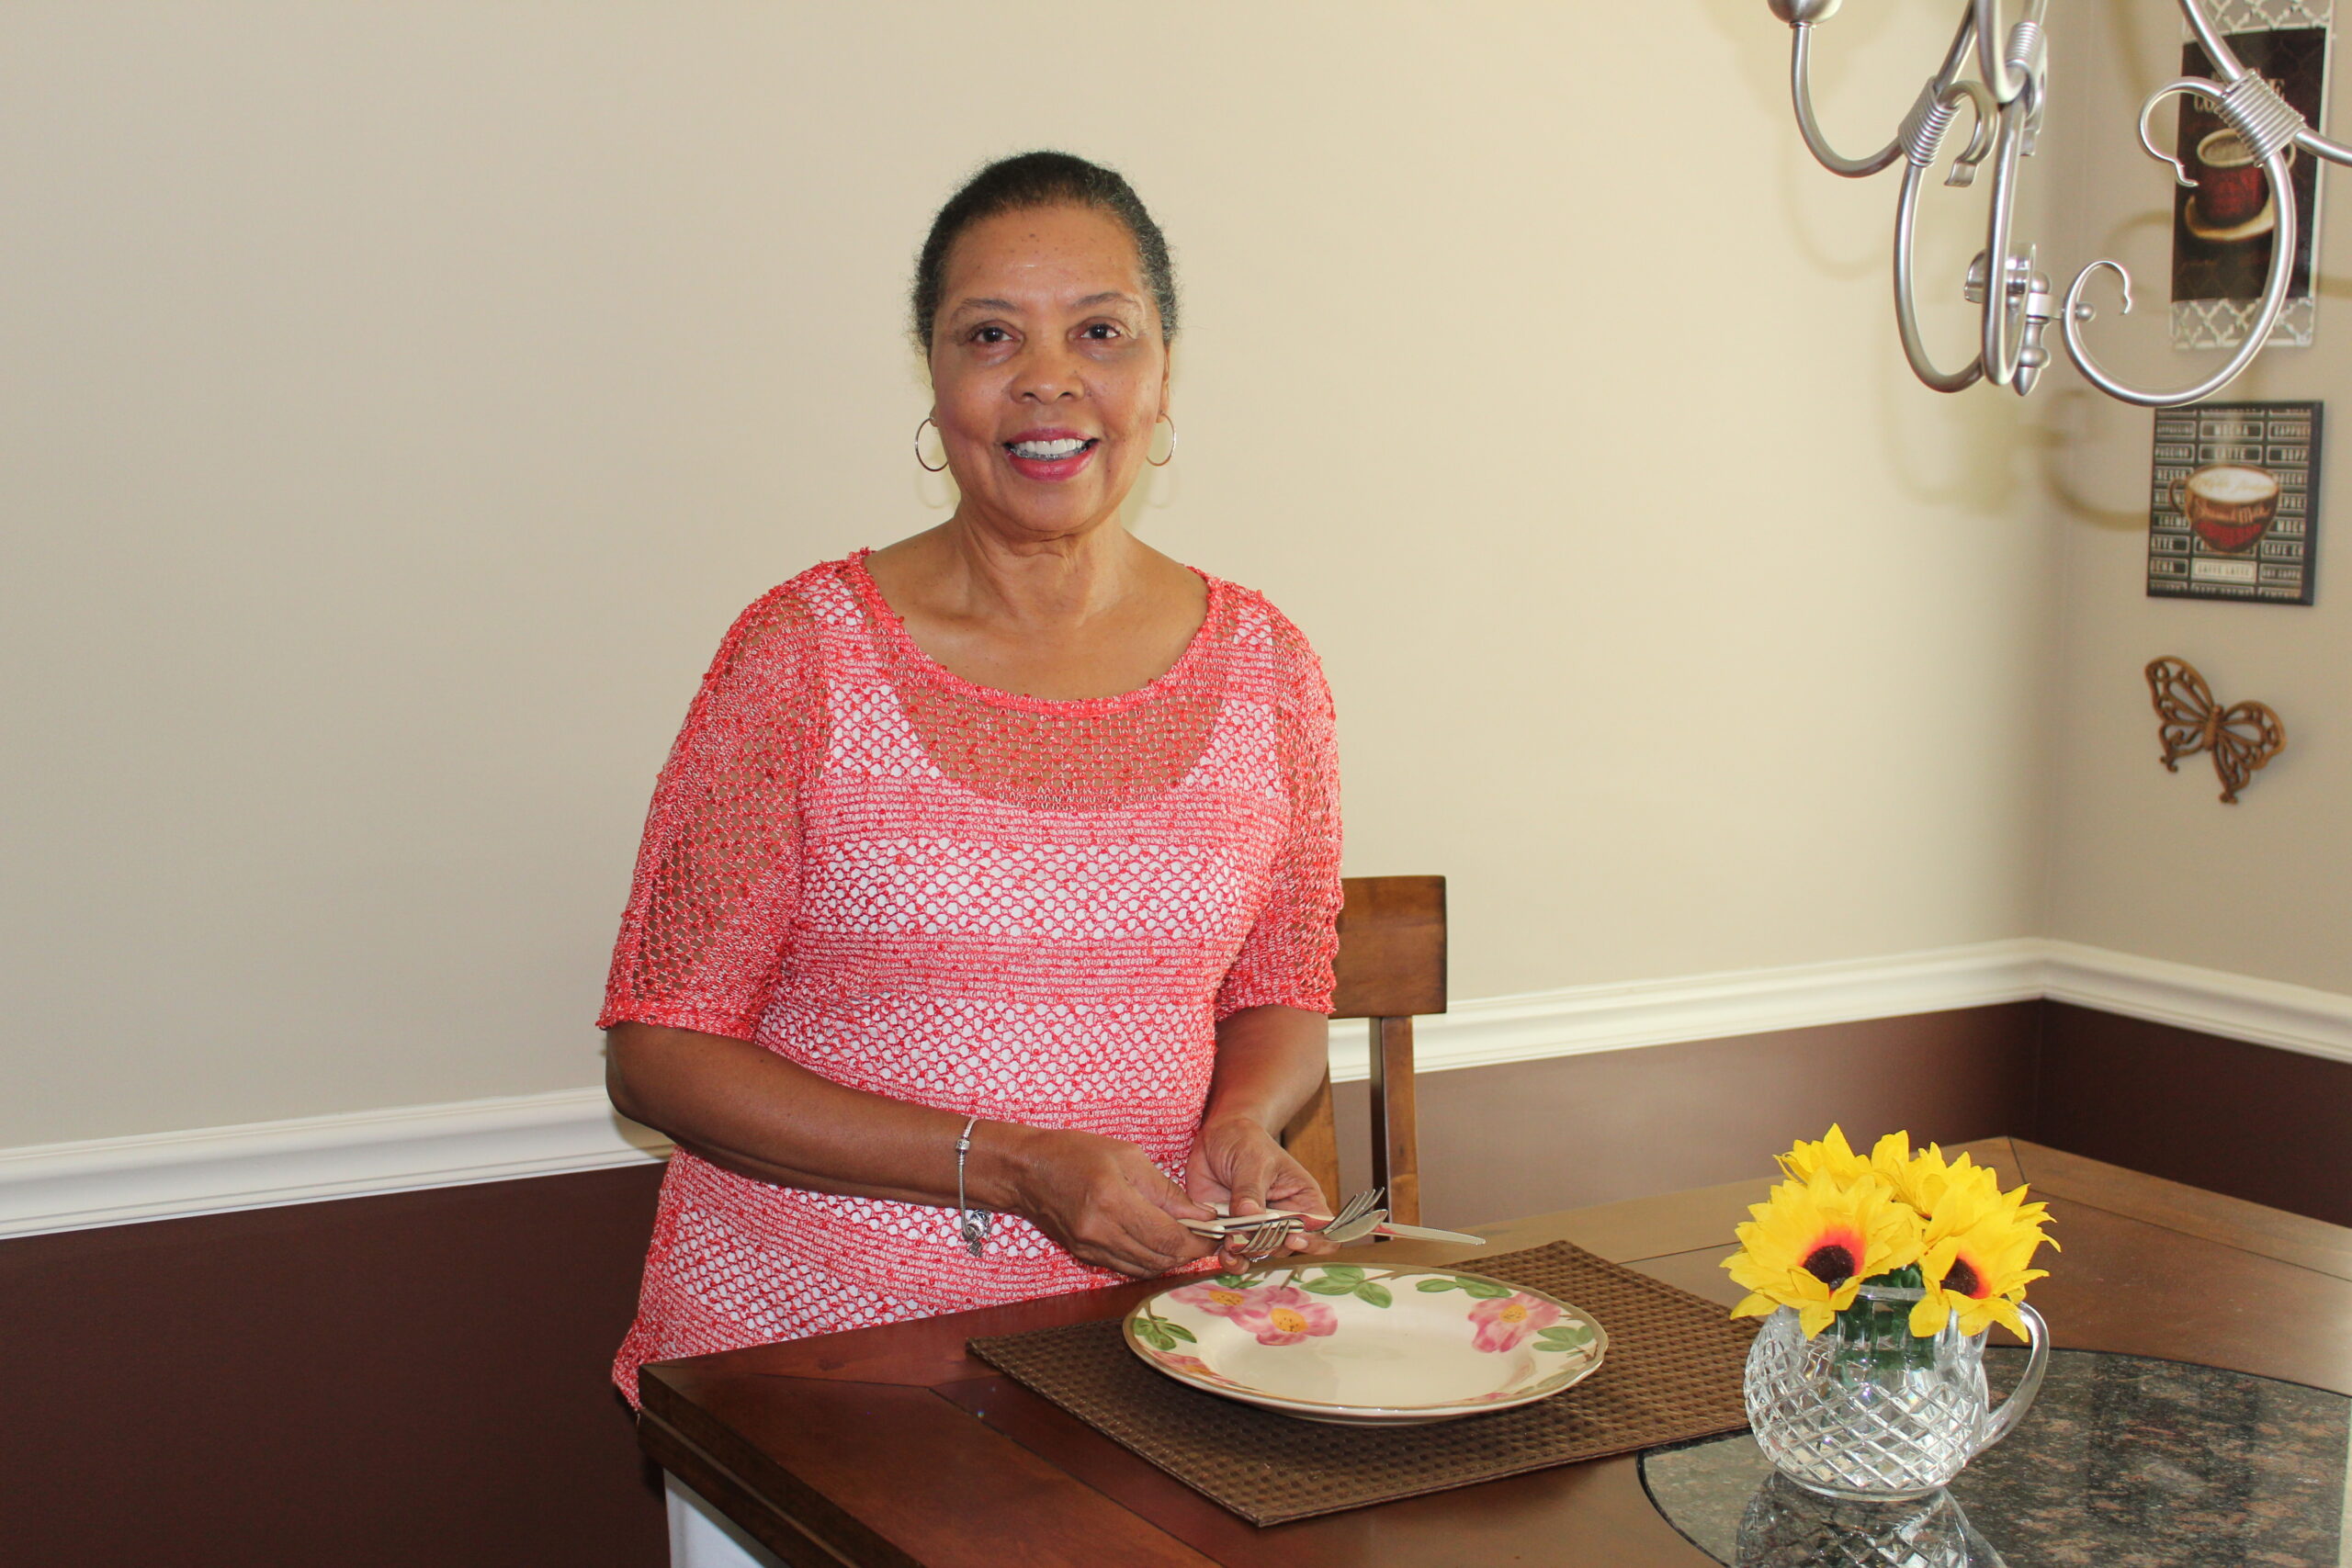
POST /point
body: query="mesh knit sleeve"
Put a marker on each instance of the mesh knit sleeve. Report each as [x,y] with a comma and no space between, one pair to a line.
[1287,959]
[717,877]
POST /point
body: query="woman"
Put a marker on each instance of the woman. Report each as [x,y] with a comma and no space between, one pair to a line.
[983,926]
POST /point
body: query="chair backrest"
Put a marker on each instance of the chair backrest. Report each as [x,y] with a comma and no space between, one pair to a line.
[1391,968]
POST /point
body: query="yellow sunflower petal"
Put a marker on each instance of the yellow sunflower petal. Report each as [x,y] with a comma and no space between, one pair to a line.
[1891,1159]
[1977,1315]
[1832,1156]
[1930,1313]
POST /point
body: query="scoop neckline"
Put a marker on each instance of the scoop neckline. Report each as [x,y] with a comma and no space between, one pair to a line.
[893,629]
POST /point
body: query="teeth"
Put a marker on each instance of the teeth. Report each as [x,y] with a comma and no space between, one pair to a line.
[1069,446]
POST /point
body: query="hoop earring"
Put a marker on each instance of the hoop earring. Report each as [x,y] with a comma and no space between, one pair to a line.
[943,438]
[1164,462]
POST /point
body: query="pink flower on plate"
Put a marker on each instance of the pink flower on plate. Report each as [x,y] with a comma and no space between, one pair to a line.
[1285,1315]
[1217,1301]
[1505,1320]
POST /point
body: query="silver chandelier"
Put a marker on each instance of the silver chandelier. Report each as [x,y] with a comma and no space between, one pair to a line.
[2006,100]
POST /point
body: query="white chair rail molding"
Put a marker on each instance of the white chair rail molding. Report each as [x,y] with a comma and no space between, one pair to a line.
[104,1181]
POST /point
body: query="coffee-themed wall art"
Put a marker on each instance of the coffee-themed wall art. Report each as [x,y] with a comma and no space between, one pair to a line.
[2222,229]
[2233,503]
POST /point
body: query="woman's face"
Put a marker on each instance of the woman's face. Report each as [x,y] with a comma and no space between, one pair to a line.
[1049,374]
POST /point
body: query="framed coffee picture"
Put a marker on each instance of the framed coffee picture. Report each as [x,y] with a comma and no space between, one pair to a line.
[2222,229]
[2233,503]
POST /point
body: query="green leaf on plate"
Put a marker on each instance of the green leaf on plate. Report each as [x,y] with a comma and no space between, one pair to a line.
[1235,1281]
[1485,1291]
[1181,1332]
[1347,1271]
[1330,1287]
[1571,1338]
[1377,1294]
[1432,1287]
[1154,1335]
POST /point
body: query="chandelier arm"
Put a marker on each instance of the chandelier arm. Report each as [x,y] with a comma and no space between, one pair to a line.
[1906,316]
[2006,59]
[2226,64]
[1956,54]
[1801,18]
[2183,84]
[1800,94]
[2231,71]
[2325,147]
[2003,343]
[2274,299]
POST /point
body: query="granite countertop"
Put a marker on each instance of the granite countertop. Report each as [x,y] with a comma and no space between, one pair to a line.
[2123,1462]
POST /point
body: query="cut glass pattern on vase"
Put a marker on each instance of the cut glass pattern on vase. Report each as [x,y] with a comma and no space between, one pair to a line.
[1865,1409]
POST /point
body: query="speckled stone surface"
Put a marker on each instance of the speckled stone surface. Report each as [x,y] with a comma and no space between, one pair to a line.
[2123,1462]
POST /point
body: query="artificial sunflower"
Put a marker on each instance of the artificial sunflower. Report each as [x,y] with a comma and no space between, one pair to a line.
[1832,1154]
[1977,1247]
[1921,1179]
[1813,1243]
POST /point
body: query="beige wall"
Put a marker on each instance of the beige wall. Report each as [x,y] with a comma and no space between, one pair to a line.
[401,398]
[2143,860]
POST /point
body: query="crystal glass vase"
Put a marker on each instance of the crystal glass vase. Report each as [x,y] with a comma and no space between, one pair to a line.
[1866,1410]
[1787,1526]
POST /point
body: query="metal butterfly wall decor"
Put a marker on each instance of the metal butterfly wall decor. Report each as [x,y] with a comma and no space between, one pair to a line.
[2241,737]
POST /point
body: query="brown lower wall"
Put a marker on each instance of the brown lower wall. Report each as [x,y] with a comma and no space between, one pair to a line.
[418,1379]
[412,1381]
[1533,1136]
[2270,1127]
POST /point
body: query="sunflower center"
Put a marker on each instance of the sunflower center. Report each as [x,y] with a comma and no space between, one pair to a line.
[1962,1278]
[1832,1263]
[1286,1321]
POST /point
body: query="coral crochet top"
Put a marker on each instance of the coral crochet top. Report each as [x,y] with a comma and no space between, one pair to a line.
[997,904]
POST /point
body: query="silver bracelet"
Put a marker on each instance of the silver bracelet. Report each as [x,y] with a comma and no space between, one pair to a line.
[973,1227]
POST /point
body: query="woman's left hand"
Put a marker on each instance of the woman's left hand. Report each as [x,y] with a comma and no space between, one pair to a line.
[1237,1163]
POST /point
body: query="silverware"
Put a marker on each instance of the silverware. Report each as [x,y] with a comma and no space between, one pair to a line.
[1340,1232]
[1425,1233]
[1356,1217]
[1254,1238]
[1260,1242]
[1228,1225]
[1355,1207]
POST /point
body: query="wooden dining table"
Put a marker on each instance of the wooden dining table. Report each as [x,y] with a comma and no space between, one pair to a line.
[893,1446]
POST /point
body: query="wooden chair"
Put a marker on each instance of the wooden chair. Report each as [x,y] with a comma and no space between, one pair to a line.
[1391,968]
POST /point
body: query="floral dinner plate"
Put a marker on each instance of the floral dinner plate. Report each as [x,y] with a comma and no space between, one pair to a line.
[1366,1347]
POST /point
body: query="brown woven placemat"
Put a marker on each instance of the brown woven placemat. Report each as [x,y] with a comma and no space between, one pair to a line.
[1672,1372]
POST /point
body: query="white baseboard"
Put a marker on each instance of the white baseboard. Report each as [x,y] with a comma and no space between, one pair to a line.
[107,1181]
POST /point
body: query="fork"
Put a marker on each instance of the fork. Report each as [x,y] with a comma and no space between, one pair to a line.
[1357,1207]
[1255,1244]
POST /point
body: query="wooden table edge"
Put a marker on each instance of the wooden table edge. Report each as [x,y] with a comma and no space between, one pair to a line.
[719,1485]
[1669,1222]
[2235,1223]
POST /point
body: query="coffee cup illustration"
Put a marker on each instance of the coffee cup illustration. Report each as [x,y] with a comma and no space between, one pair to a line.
[2230,504]
[2231,189]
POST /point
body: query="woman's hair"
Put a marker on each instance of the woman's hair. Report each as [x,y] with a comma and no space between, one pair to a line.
[1042,179]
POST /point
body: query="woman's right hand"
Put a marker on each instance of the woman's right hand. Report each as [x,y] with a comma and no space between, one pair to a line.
[1102,1199]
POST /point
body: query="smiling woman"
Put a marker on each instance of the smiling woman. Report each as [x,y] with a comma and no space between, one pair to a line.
[983,925]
